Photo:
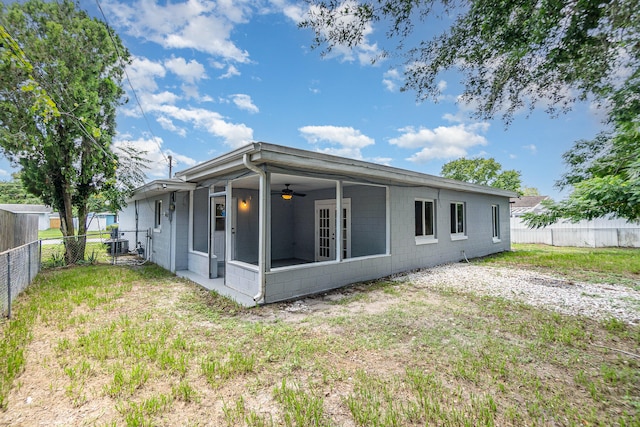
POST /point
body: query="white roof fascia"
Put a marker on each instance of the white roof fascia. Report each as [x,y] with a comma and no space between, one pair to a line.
[271,154]
[217,166]
[286,156]
[158,187]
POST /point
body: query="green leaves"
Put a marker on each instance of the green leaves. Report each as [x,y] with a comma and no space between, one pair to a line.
[483,172]
[604,173]
[60,86]
[514,54]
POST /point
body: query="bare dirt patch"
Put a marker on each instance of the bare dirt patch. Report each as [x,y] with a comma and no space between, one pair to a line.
[203,361]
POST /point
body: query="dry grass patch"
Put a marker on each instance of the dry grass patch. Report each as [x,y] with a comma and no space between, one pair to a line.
[120,346]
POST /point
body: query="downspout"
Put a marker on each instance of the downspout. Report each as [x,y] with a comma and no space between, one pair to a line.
[262,226]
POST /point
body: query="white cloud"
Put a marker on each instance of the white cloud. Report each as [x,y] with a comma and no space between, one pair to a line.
[443,142]
[190,91]
[194,24]
[244,102]
[313,87]
[364,52]
[383,160]
[234,134]
[167,123]
[158,166]
[442,85]
[531,148]
[392,79]
[143,72]
[4,172]
[231,71]
[190,72]
[295,11]
[350,141]
[165,97]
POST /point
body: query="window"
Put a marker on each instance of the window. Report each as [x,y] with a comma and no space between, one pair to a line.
[495,222]
[158,214]
[457,220]
[220,215]
[425,221]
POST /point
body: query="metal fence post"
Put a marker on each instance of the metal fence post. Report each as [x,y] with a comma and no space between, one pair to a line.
[9,284]
[29,262]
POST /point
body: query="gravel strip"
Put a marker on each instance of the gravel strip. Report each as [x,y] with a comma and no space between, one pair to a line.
[597,301]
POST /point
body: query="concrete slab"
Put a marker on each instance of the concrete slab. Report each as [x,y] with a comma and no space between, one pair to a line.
[218,286]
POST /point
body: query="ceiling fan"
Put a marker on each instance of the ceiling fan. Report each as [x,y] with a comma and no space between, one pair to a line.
[287,193]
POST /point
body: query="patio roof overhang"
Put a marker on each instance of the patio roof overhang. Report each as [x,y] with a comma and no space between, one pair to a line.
[159,187]
[281,159]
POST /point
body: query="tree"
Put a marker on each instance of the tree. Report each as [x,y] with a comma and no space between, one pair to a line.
[483,172]
[66,156]
[512,54]
[530,191]
[604,173]
[13,192]
[517,55]
[12,54]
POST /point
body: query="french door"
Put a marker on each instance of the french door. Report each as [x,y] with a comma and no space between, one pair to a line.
[325,230]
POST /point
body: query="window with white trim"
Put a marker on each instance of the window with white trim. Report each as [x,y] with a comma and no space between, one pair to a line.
[495,222]
[158,215]
[457,219]
[425,221]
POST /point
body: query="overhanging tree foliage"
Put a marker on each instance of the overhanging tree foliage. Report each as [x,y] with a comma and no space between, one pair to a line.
[604,173]
[482,171]
[66,155]
[517,55]
[513,54]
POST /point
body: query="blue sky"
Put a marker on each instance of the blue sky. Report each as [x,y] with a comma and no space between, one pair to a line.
[213,76]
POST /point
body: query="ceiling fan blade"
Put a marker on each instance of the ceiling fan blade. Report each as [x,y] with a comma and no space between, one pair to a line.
[299,194]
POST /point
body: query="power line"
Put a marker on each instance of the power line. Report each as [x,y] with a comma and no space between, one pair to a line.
[135,95]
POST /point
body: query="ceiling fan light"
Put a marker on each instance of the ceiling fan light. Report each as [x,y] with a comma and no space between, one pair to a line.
[287,196]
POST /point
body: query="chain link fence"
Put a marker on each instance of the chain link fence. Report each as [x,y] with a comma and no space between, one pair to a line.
[19,266]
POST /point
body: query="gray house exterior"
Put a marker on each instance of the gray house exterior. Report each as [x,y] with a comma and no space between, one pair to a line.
[267,223]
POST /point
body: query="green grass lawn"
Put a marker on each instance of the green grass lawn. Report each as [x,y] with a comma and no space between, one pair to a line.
[609,265]
[107,345]
[55,233]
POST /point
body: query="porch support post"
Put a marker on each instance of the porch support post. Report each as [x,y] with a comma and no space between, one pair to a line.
[267,222]
[229,227]
[339,221]
[388,220]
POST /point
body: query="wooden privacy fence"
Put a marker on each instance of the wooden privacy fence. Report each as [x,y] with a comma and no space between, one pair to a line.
[595,234]
[17,229]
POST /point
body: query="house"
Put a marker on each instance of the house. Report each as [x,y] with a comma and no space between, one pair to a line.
[42,211]
[99,221]
[524,204]
[267,223]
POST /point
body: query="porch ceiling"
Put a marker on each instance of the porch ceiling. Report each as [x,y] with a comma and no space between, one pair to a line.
[298,183]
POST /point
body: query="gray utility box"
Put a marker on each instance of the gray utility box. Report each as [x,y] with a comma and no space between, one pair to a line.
[117,246]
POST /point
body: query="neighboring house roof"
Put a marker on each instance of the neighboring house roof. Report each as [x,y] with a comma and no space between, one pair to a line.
[524,204]
[20,209]
[286,159]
